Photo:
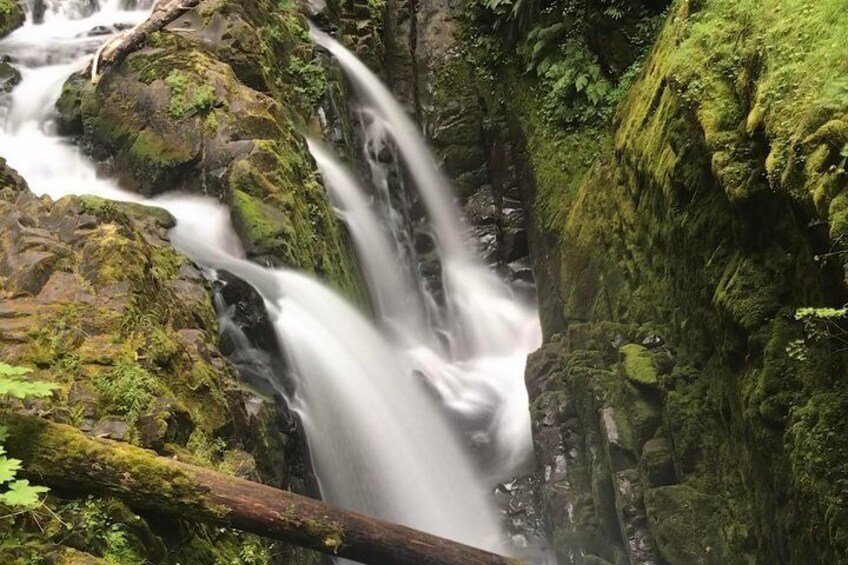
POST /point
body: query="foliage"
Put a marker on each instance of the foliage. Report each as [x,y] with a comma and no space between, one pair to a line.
[822,326]
[552,41]
[254,551]
[92,522]
[127,389]
[310,80]
[14,383]
[177,82]
[203,99]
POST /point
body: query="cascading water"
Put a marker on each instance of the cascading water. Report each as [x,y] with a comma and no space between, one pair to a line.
[378,402]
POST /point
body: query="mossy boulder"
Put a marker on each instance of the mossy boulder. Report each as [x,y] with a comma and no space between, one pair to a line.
[638,366]
[184,113]
[94,299]
[684,522]
[11,16]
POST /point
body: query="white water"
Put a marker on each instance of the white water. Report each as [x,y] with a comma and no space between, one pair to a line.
[392,293]
[376,407]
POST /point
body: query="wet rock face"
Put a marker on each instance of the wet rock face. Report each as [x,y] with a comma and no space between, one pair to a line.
[10,76]
[424,64]
[609,484]
[474,144]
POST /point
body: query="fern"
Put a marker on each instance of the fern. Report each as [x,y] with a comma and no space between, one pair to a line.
[17,493]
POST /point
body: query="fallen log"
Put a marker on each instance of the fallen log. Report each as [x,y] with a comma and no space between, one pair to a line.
[116,49]
[61,456]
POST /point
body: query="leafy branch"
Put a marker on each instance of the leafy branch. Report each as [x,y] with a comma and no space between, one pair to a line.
[14,492]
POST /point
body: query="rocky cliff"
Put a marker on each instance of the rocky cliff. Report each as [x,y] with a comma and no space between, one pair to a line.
[681,170]
[689,404]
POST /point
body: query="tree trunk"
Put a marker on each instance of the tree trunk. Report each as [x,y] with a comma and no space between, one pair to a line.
[61,456]
[114,51]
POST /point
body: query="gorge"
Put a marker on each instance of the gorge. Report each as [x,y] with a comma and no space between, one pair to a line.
[236,248]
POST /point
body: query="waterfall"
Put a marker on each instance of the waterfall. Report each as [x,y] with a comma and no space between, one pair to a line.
[486,317]
[391,292]
[382,403]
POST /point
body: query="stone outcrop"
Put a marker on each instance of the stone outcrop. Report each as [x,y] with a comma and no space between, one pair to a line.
[212,106]
[686,401]
[95,299]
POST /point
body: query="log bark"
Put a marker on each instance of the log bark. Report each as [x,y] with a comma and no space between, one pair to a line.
[62,456]
[118,48]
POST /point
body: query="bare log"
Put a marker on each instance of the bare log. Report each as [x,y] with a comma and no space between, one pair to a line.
[62,456]
[115,50]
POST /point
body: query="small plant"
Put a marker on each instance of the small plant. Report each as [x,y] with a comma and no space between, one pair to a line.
[821,326]
[14,384]
[127,389]
[177,82]
[203,99]
[309,78]
[95,526]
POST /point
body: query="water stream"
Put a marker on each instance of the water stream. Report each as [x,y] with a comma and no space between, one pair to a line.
[390,412]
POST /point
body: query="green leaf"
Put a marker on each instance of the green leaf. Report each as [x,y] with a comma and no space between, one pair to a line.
[23,495]
[10,371]
[18,388]
[4,433]
[581,82]
[8,469]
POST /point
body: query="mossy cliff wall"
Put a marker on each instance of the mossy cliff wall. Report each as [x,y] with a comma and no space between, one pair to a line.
[685,407]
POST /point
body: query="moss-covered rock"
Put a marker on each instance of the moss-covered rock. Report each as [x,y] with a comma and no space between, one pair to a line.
[94,298]
[213,111]
[638,366]
[675,514]
[11,16]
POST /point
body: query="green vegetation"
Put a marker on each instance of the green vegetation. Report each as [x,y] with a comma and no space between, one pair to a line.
[127,389]
[11,16]
[582,54]
[18,493]
[712,208]
[177,82]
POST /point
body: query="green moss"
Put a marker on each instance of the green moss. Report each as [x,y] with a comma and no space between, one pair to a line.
[817,446]
[638,365]
[267,227]
[11,16]
[154,150]
[685,524]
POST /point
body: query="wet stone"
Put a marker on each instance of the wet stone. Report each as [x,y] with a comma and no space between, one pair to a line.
[112,427]
[10,77]
[657,463]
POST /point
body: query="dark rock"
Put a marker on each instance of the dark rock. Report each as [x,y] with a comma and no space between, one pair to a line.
[653,341]
[657,463]
[99,31]
[10,77]
[633,520]
[480,208]
[686,525]
[112,427]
